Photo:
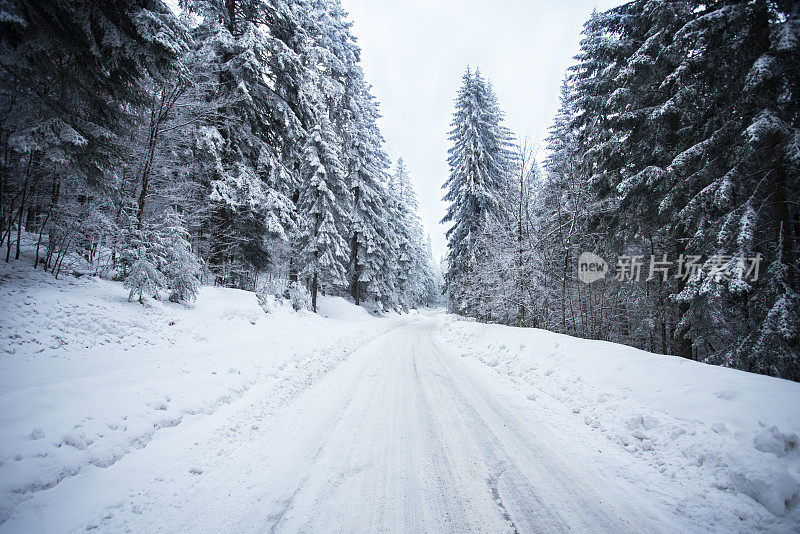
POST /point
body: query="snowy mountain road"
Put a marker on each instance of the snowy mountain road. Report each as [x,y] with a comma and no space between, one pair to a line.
[408,439]
[404,435]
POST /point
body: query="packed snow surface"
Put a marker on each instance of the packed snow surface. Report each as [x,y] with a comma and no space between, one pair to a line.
[219,417]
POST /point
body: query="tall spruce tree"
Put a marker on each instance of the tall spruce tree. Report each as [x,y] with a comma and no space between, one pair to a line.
[416,276]
[326,204]
[240,59]
[481,163]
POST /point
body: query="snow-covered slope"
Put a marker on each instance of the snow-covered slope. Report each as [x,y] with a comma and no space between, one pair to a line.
[733,433]
[87,377]
[218,416]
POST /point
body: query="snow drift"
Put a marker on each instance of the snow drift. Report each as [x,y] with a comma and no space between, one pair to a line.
[735,431]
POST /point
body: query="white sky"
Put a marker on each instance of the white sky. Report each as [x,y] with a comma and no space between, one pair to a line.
[415,51]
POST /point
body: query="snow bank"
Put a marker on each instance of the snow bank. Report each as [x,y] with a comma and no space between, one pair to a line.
[339,308]
[735,431]
[87,377]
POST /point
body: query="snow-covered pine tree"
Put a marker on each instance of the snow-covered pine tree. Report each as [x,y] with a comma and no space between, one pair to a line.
[355,118]
[144,278]
[181,267]
[574,206]
[481,163]
[244,63]
[406,229]
[337,90]
[417,276]
[745,170]
[144,252]
[433,279]
[369,240]
[325,202]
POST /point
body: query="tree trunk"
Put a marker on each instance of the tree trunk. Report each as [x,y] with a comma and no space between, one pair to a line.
[564,294]
[356,289]
[19,229]
[148,165]
[314,287]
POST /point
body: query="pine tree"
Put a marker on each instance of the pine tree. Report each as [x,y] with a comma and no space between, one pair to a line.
[145,254]
[745,170]
[181,266]
[144,279]
[366,165]
[243,144]
[326,203]
[403,218]
[481,162]
[416,277]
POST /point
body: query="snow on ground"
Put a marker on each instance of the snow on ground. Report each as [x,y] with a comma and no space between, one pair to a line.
[87,377]
[339,308]
[217,416]
[733,435]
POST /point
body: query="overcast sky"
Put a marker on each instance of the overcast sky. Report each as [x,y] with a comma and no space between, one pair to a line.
[415,51]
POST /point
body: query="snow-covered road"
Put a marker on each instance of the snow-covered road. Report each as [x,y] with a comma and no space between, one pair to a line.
[407,438]
[403,436]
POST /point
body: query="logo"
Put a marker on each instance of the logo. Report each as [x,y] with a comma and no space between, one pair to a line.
[717,267]
[591,267]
